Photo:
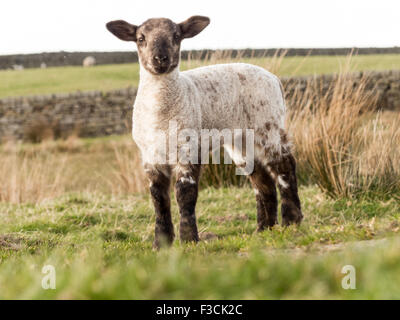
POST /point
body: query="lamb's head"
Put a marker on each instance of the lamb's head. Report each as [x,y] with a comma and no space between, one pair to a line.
[158,40]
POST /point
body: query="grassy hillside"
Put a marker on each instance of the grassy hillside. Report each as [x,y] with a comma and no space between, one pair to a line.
[100,247]
[69,79]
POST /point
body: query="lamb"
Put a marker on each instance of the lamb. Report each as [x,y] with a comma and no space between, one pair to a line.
[233,96]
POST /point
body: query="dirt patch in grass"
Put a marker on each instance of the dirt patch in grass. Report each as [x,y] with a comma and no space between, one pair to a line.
[11,242]
[115,235]
[207,236]
[328,248]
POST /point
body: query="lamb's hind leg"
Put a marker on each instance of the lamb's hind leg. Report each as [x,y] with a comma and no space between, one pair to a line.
[267,203]
[284,170]
[186,188]
[160,180]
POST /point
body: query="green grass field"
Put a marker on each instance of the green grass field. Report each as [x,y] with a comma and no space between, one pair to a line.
[99,237]
[100,247]
[108,77]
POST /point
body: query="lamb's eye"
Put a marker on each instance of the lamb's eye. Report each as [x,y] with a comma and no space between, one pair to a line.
[176,36]
[141,39]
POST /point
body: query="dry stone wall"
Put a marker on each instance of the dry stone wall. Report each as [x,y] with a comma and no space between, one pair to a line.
[384,84]
[88,114]
[92,114]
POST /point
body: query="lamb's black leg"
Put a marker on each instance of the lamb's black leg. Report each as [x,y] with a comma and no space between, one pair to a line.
[186,189]
[285,173]
[267,202]
[160,180]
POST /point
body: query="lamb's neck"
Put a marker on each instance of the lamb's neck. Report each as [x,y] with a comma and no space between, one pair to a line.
[159,91]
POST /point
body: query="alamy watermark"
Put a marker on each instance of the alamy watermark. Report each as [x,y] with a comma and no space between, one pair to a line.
[349,280]
[49,280]
[182,146]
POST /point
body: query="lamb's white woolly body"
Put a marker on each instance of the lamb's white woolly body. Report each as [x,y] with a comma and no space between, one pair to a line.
[233,96]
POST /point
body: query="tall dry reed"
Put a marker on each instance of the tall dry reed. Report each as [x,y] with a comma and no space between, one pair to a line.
[32,179]
[342,143]
[128,174]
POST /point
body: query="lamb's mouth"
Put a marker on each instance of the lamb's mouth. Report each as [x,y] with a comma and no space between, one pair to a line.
[161,69]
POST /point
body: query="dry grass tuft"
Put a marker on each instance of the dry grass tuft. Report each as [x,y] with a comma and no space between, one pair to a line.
[32,179]
[342,144]
[128,174]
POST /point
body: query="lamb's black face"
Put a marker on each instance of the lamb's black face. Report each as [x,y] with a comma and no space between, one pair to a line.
[158,40]
[159,43]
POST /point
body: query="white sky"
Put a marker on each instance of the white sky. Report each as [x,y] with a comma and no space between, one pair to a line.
[79,25]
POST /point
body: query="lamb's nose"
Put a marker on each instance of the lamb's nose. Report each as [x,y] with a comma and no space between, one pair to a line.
[160,59]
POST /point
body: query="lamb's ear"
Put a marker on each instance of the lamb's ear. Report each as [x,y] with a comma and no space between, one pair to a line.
[122,30]
[193,26]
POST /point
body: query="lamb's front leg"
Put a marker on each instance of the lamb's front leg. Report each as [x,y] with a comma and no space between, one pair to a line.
[160,181]
[186,188]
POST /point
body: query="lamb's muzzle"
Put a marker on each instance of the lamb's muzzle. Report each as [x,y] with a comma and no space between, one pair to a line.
[227,96]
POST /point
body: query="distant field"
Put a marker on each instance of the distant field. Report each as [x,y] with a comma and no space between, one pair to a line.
[108,77]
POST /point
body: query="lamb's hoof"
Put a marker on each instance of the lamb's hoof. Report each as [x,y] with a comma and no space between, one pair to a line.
[262,229]
[291,215]
[267,226]
[188,233]
[163,242]
[189,237]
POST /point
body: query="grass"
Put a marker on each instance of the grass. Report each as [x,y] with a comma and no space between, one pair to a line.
[74,204]
[108,77]
[100,247]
